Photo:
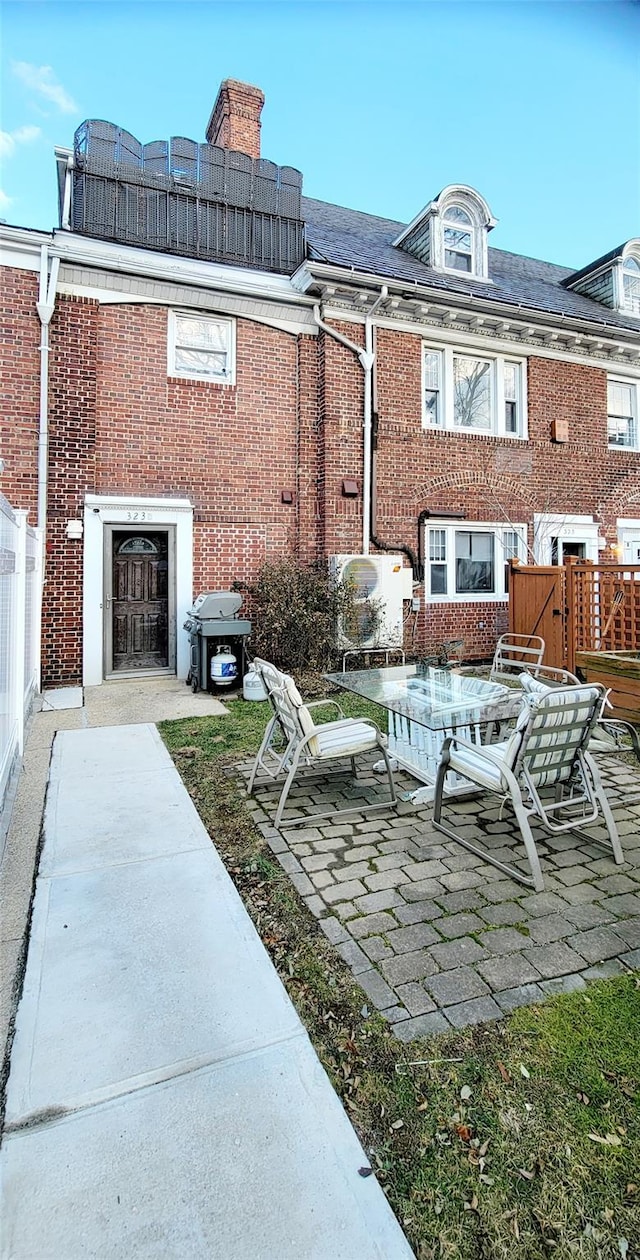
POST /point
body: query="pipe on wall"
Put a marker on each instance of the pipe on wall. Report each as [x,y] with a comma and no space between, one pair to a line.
[366,358]
[45,307]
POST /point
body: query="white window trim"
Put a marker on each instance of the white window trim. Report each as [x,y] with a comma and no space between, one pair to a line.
[498,420]
[498,529]
[614,378]
[226,378]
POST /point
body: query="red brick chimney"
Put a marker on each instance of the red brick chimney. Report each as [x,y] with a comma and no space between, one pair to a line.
[235,118]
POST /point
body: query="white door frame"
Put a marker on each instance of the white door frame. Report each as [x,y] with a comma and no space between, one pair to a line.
[131,513]
[629,539]
[567,527]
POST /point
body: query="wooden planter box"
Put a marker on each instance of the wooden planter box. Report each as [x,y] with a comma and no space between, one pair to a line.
[621,672]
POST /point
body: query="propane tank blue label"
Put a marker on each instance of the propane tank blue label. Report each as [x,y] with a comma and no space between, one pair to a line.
[229,671]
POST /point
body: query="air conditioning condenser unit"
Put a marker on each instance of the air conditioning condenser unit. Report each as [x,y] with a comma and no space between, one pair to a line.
[379,584]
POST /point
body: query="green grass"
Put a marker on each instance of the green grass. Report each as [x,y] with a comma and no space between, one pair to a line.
[490,1157]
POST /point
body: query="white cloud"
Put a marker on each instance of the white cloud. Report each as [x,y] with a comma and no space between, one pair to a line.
[41,79]
[9,140]
[5,201]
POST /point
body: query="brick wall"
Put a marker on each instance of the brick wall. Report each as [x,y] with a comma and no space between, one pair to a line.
[293,421]
[20,390]
[73,381]
[487,478]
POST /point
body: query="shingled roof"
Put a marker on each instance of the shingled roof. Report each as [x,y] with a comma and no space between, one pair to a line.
[363,243]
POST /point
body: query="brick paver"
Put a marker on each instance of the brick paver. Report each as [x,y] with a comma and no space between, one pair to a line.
[438,938]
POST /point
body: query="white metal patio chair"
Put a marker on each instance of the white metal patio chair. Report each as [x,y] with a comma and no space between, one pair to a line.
[515,652]
[543,769]
[610,735]
[292,741]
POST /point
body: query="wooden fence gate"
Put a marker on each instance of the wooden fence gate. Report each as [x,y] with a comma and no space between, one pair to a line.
[576,607]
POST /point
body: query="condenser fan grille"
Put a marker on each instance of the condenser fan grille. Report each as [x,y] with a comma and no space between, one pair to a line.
[362,576]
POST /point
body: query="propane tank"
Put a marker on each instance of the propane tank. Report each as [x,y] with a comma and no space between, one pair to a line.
[224,667]
[252,685]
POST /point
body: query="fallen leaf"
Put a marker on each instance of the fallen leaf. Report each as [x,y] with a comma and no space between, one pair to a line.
[488,1181]
[472,1206]
[464,1132]
[524,1071]
[397,1124]
[610,1139]
[623,1247]
[504,1074]
[528,1176]
[583,1098]
[465,1093]
[423,1106]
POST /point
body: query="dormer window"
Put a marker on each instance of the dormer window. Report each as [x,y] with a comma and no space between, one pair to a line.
[631,285]
[450,234]
[613,280]
[458,239]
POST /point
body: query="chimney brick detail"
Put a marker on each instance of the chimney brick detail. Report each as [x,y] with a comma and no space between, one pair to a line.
[235,118]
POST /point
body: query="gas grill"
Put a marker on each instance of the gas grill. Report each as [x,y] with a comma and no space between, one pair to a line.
[216,636]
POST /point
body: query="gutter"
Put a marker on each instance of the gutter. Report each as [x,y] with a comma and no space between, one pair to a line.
[311,273]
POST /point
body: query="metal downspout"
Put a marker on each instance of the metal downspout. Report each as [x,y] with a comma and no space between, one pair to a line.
[368,419]
[45,307]
[366,358]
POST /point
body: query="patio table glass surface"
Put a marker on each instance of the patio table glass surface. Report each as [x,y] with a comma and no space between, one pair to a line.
[424,705]
[436,698]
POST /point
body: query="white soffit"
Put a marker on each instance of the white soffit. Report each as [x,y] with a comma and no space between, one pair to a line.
[113,288]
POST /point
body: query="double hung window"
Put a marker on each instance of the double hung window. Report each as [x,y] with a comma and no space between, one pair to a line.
[622,413]
[469,562]
[472,393]
[631,285]
[459,239]
[201,347]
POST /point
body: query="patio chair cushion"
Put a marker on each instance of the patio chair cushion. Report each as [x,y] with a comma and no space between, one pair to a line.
[331,739]
[533,686]
[344,739]
[304,717]
[482,768]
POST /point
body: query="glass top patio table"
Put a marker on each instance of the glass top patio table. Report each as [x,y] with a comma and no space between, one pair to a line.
[438,699]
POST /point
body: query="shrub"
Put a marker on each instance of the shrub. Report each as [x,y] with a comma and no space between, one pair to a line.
[295,614]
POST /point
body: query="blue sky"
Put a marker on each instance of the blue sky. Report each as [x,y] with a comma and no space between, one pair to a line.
[380,105]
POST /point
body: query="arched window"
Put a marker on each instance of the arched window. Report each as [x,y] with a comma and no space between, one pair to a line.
[631,284]
[459,239]
[137,547]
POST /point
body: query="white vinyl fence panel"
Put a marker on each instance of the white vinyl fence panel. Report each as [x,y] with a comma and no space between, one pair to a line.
[20,585]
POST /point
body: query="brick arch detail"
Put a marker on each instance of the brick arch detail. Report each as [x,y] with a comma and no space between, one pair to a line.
[467,478]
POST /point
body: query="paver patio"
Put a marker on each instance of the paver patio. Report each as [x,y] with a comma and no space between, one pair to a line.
[436,937]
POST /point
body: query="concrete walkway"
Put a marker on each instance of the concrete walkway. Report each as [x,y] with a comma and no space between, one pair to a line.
[164,1099]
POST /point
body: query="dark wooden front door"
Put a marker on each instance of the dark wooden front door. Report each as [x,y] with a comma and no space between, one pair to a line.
[140,600]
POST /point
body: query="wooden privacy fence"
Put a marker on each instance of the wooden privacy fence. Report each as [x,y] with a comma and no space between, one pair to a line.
[576,607]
